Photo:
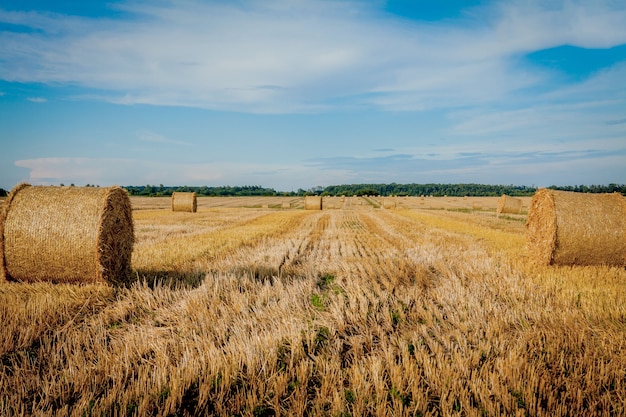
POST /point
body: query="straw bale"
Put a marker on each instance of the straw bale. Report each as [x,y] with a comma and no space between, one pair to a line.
[286,204]
[508,204]
[184,201]
[567,228]
[477,206]
[312,202]
[389,203]
[66,234]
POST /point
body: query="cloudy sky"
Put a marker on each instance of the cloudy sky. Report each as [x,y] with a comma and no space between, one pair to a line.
[294,94]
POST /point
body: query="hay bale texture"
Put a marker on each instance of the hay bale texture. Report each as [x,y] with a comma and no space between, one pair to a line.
[66,235]
[567,228]
[312,202]
[508,204]
[389,203]
[184,201]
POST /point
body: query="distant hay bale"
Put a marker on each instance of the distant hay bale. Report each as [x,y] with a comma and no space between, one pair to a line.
[312,202]
[389,203]
[66,235]
[567,228]
[184,201]
[286,204]
[508,204]
[477,206]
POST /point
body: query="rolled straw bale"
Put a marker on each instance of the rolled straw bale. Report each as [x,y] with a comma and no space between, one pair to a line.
[312,202]
[286,204]
[184,201]
[477,206]
[508,204]
[389,203]
[567,228]
[66,234]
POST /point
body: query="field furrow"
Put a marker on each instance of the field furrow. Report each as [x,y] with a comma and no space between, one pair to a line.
[353,310]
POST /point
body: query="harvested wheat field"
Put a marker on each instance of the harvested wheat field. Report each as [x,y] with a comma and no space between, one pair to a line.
[247,310]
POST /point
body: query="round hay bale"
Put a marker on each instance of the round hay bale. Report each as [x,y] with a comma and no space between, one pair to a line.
[286,204]
[184,201]
[389,203]
[567,228]
[66,234]
[508,204]
[312,202]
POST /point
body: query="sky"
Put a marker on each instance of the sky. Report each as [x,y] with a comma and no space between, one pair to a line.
[296,94]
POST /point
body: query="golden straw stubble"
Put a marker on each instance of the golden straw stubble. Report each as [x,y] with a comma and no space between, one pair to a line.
[567,228]
[66,234]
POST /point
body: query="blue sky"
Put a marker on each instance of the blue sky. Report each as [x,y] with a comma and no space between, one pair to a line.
[294,94]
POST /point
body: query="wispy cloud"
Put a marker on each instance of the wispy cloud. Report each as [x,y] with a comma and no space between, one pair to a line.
[281,56]
[492,167]
[155,138]
[37,99]
[488,113]
[109,171]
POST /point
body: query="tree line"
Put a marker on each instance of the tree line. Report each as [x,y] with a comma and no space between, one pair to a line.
[436,190]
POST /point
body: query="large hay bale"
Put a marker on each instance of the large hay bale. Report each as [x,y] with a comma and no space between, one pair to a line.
[389,203]
[508,204]
[184,201]
[312,202]
[66,234]
[567,228]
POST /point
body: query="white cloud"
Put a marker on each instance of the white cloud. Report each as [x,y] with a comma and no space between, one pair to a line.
[37,99]
[155,138]
[578,117]
[284,56]
[109,171]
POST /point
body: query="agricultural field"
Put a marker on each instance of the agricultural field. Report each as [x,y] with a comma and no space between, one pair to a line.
[253,306]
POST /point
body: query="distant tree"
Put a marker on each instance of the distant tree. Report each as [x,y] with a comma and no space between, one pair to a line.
[3,192]
[366,191]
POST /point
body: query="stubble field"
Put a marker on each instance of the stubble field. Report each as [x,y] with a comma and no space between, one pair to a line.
[256,307]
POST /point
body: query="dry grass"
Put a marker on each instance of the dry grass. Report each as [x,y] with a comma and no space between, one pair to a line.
[355,312]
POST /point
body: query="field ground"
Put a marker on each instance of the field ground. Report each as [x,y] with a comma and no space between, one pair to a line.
[254,308]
